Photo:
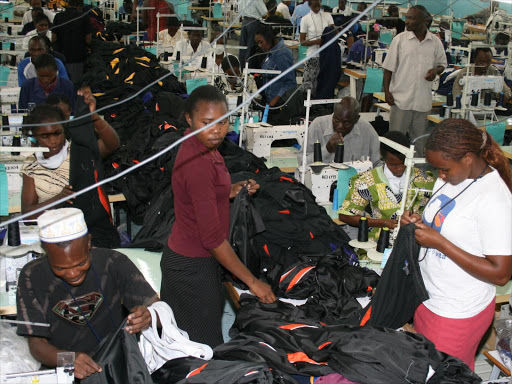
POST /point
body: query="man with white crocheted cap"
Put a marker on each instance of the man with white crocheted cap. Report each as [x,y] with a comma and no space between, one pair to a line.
[79,291]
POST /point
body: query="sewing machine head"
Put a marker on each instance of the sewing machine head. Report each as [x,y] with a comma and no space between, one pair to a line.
[478,84]
[260,136]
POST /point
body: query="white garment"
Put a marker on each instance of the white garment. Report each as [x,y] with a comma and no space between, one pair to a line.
[410,60]
[169,41]
[252,8]
[346,12]
[31,34]
[395,183]
[55,161]
[283,9]
[186,51]
[479,221]
[313,25]
[174,343]
[27,16]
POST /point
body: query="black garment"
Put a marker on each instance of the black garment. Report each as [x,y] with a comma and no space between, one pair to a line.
[245,223]
[192,287]
[330,66]
[43,297]
[281,335]
[211,372]
[71,36]
[401,288]
[86,168]
[391,23]
[291,108]
[120,359]
[29,27]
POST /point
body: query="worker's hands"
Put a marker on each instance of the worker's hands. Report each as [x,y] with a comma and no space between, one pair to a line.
[66,191]
[390,223]
[274,101]
[85,366]
[333,142]
[138,320]
[88,98]
[262,291]
[409,217]
[431,74]
[389,98]
[427,236]
[252,187]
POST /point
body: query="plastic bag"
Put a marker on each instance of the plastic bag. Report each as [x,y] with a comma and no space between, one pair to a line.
[14,353]
[504,335]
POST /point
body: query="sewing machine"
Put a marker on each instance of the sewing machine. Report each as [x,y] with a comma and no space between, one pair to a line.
[261,135]
[476,85]
[380,55]
[320,182]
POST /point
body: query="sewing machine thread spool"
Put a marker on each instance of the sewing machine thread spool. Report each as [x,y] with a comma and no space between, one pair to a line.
[474,99]
[5,122]
[449,100]
[178,56]
[447,112]
[166,56]
[501,99]
[362,232]
[317,152]
[383,241]
[487,99]
[13,47]
[203,62]
[13,234]
[16,142]
[6,19]
[9,30]
[458,102]
[340,150]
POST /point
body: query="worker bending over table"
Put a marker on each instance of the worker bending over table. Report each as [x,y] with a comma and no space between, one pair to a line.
[343,126]
[381,189]
[73,277]
[464,234]
[414,59]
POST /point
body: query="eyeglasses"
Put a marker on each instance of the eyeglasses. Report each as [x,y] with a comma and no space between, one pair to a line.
[46,136]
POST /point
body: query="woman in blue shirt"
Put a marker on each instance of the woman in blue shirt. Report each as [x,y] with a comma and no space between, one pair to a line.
[278,58]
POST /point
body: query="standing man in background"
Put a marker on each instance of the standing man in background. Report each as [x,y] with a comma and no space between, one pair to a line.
[284,9]
[414,59]
[71,36]
[252,13]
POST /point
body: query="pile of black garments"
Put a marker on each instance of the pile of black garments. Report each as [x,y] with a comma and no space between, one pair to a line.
[280,338]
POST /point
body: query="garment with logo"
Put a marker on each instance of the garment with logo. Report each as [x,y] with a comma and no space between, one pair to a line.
[44,298]
[477,221]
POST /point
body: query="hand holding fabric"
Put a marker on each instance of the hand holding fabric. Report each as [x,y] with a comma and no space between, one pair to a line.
[85,366]
[252,187]
[138,320]
[88,98]
[409,217]
[427,236]
[262,291]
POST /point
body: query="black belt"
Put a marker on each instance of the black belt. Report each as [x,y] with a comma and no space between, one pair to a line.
[249,18]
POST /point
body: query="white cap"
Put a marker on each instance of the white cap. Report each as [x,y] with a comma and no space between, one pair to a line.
[64,224]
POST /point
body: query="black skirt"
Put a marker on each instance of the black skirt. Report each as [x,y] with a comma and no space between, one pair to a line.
[192,286]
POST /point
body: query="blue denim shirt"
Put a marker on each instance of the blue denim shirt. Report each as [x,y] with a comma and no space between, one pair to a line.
[356,52]
[279,58]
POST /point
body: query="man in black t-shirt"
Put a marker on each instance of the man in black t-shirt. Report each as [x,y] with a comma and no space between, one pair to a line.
[79,291]
[71,35]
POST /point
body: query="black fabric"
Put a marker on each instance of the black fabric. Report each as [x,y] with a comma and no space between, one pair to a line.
[212,372]
[330,66]
[85,169]
[71,35]
[389,23]
[291,108]
[192,287]
[281,335]
[245,223]
[401,288]
[120,359]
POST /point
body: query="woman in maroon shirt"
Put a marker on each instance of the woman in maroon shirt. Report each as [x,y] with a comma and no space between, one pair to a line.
[191,277]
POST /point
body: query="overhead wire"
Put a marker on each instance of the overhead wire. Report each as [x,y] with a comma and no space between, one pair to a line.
[193,133]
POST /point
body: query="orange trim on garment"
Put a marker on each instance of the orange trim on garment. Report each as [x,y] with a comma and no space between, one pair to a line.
[265,248]
[283,178]
[292,327]
[303,358]
[197,371]
[285,212]
[366,316]
[298,276]
[283,276]
[325,344]
[103,197]
[311,235]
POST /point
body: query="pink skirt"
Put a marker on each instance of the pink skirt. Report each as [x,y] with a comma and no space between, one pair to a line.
[456,337]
